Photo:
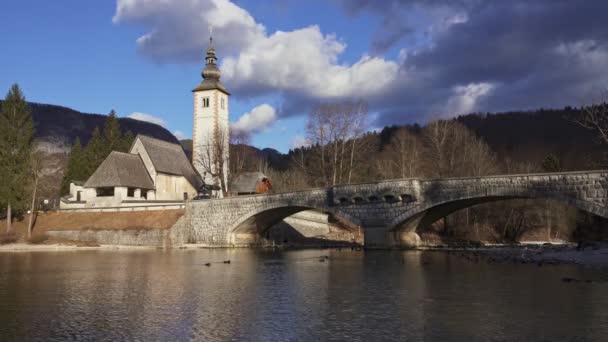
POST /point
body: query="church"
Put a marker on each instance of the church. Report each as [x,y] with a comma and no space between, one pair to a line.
[157,171]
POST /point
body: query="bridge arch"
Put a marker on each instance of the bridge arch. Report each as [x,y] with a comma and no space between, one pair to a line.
[422,216]
[259,220]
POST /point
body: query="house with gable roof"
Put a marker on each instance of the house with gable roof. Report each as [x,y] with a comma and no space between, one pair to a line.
[152,171]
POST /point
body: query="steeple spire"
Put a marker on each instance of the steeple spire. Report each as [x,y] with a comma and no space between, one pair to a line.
[211,73]
[210,35]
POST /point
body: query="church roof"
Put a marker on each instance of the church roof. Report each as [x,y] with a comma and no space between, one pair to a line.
[247,182]
[211,73]
[170,158]
[210,84]
[121,169]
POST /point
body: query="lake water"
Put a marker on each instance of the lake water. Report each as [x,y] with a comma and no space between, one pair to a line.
[152,295]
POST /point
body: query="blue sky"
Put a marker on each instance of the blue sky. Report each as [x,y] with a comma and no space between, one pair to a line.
[411,60]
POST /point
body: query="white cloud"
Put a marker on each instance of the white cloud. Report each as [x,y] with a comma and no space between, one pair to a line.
[260,118]
[178,29]
[466,98]
[180,135]
[299,141]
[303,62]
[147,117]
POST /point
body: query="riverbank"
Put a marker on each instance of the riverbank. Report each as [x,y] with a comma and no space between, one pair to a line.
[61,247]
[540,255]
[595,255]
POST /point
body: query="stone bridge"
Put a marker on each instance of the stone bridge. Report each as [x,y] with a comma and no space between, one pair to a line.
[389,212]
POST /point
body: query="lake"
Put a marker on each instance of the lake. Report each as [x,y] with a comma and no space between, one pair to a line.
[265,295]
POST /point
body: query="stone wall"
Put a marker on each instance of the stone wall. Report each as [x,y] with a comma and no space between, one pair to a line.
[130,237]
[389,212]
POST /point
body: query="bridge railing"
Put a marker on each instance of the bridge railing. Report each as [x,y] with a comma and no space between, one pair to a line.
[418,179]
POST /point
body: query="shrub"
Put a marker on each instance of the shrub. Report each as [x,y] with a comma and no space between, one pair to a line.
[38,239]
[6,238]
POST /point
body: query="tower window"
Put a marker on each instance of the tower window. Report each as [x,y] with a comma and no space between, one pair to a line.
[223,103]
[205,102]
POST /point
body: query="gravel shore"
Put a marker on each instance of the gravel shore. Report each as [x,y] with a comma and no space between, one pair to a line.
[595,255]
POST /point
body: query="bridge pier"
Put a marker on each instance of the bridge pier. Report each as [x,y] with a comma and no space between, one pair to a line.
[381,237]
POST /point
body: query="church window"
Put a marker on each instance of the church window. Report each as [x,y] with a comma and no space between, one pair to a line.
[223,104]
[205,102]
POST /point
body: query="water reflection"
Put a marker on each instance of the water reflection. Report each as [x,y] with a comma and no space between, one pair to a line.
[293,295]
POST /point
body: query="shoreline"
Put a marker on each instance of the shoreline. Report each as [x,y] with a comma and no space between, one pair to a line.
[59,247]
[539,254]
[567,254]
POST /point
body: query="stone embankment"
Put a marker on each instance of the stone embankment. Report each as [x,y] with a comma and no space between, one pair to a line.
[140,228]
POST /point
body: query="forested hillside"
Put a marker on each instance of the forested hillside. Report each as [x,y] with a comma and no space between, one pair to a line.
[61,124]
[531,136]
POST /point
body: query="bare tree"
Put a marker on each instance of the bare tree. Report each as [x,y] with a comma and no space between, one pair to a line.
[214,159]
[36,174]
[292,179]
[453,150]
[436,138]
[402,158]
[335,129]
[595,117]
[240,153]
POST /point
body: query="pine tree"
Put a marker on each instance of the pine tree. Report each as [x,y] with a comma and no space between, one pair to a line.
[127,141]
[95,152]
[76,168]
[111,133]
[16,137]
[551,164]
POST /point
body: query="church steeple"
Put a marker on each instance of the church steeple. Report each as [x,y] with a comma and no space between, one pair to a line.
[211,124]
[211,73]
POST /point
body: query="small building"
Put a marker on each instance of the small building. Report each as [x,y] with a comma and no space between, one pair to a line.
[153,170]
[250,183]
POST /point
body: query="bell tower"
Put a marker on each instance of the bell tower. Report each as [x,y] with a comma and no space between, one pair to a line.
[211,129]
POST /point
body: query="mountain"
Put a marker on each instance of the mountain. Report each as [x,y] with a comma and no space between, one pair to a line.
[58,126]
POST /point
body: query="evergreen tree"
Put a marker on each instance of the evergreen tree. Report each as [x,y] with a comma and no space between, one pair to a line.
[127,141]
[16,137]
[95,152]
[111,133]
[551,164]
[76,168]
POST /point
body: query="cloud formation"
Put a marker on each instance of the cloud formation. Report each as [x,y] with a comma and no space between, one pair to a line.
[178,29]
[180,135]
[497,56]
[147,117]
[298,141]
[456,56]
[300,64]
[260,118]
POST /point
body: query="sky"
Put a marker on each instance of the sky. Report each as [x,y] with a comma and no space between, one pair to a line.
[410,60]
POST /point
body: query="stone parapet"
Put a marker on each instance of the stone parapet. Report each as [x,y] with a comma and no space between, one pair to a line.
[384,210]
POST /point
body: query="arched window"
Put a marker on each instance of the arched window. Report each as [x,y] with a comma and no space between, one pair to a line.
[205,102]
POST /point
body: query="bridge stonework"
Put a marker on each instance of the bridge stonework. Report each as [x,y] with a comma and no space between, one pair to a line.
[389,212]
